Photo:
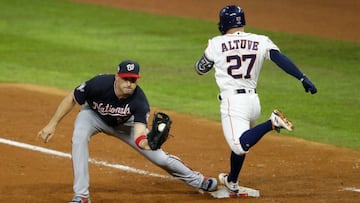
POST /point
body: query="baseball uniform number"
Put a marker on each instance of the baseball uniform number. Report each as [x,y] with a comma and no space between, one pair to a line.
[238,64]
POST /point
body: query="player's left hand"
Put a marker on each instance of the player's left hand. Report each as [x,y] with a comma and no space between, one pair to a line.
[308,85]
[46,133]
[160,130]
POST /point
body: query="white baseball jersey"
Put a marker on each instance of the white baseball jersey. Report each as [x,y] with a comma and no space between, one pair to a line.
[238,59]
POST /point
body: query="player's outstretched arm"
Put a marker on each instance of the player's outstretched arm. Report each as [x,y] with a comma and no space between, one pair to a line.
[63,109]
[140,138]
[289,67]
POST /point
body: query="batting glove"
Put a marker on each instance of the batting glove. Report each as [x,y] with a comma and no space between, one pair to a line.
[308,85]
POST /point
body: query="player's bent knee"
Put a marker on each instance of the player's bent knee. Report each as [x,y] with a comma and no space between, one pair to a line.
[237,149]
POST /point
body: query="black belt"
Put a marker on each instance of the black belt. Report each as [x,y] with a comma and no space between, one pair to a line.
[238,91]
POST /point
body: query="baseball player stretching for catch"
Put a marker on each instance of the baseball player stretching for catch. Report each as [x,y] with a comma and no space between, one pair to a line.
[238,57]
[115,105]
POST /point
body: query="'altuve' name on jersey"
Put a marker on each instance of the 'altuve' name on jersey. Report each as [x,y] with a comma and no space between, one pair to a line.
[240,44]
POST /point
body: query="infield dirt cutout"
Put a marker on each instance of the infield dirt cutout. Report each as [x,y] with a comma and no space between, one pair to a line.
[283,168]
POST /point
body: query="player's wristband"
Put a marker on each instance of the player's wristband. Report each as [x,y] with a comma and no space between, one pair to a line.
[139,139]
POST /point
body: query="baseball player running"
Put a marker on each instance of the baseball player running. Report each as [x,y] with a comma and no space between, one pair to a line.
[117,106]
[238,57]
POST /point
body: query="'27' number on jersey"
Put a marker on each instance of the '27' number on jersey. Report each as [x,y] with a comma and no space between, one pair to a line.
[239,59]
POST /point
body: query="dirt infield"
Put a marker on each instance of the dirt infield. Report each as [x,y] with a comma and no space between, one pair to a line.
[284,169]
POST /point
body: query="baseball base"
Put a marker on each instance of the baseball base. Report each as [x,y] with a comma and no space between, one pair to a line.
[222,192]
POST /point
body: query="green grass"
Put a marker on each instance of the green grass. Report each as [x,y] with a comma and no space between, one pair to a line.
[61,44]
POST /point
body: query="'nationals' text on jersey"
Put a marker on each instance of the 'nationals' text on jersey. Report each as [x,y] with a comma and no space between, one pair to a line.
[99,94]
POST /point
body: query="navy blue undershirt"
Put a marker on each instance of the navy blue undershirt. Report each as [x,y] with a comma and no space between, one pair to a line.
[285,63]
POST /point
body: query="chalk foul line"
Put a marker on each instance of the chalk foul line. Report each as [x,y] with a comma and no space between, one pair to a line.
[353,189]
[91,160]
[104,163]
